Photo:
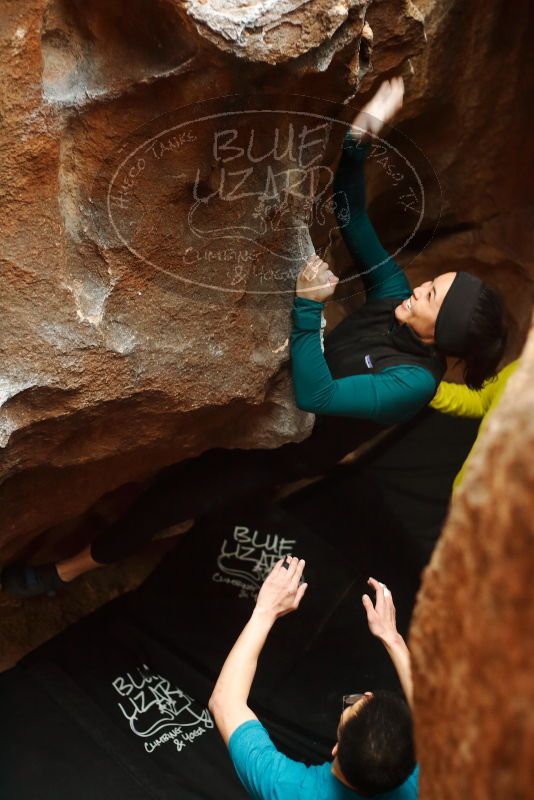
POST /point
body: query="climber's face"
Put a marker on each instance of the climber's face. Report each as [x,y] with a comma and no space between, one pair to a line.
[420,311]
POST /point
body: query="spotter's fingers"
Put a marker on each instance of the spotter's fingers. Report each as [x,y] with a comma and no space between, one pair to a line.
[368,604]
[379,590]
[300,593]
[292,568]
[279,566]
[376,585]
[297,577]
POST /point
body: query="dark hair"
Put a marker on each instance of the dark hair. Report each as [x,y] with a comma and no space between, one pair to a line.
[486,338]
[375,749]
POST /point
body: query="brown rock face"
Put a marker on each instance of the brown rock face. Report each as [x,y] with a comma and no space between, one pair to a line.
[132,335]
[146,276]
[471,638]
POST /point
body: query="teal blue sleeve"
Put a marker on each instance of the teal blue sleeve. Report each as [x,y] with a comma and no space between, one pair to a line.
[394,395]
[381,275]
[265,773]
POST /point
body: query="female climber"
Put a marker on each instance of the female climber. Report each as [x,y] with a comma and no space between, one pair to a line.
[386,359]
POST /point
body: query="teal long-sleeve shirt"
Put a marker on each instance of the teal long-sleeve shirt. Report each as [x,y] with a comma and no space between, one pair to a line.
[388,397]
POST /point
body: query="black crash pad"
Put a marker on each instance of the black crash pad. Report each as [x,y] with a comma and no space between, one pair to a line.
[116,705]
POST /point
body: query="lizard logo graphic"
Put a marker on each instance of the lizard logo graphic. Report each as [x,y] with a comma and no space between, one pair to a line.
[151,704]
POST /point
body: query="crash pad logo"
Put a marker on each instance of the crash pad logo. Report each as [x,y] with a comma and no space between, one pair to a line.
[158,711]
[247,557]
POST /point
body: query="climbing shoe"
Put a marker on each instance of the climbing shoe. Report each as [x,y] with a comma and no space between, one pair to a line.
[22,581]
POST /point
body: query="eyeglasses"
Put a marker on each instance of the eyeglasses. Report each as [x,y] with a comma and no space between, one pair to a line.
[350,699]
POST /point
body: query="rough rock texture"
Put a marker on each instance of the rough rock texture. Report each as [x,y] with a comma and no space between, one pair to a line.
[272,31]
[471,637]
[117,356]
[111,367]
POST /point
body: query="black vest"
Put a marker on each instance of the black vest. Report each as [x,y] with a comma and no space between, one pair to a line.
[370,340]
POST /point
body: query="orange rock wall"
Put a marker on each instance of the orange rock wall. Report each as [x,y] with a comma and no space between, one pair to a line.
[111,367]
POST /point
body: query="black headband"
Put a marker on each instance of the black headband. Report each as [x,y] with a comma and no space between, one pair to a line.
[454,316]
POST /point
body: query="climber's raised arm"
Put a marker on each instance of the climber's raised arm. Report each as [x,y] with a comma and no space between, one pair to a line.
[381,275]
[384,361]
[387,396]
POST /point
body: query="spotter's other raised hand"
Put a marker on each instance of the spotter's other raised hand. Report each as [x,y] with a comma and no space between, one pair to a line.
[381,617]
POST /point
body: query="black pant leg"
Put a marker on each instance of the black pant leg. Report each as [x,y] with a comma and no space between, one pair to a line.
[182,491]
[219,477]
